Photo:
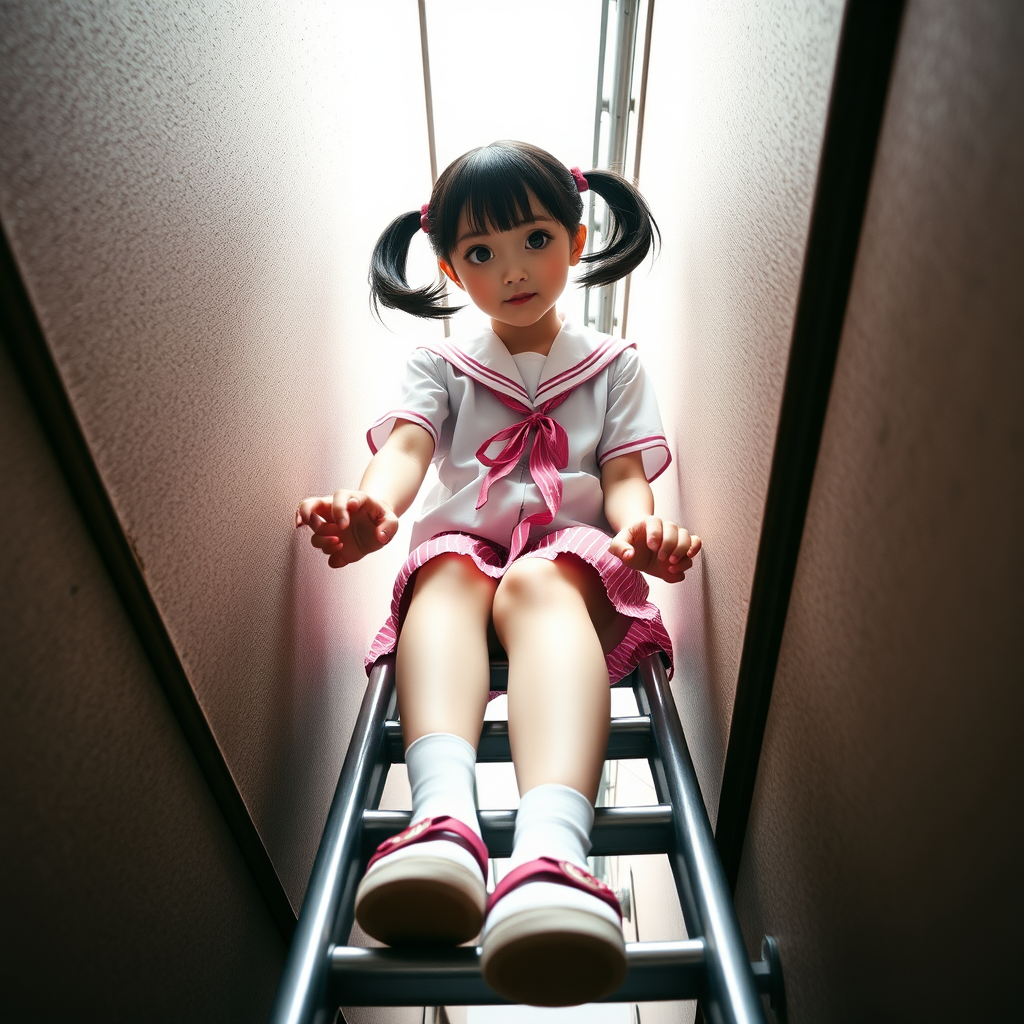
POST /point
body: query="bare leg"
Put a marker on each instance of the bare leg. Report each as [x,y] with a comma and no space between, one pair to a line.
[442,662]
[432,889]
[547,615]
[547,943]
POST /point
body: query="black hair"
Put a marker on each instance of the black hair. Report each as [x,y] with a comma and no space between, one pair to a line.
[493,185]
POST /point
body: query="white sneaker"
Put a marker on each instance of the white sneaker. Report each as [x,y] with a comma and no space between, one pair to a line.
[553,936]
[425,885]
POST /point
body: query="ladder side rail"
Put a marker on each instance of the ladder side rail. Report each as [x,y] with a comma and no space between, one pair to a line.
[327,907]
[731,996]
[384,761]
[374,790]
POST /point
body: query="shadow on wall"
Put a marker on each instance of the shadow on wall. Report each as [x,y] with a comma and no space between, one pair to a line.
[306,673]
[692,615]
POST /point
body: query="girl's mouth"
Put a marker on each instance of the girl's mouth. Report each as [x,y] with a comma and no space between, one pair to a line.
[518,300]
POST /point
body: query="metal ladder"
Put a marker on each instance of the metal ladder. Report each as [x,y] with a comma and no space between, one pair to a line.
[322,973]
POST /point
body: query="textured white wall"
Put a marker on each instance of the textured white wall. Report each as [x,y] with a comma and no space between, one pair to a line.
[191,194]
[125,896]
[736,109]
[885,835]
[735,114]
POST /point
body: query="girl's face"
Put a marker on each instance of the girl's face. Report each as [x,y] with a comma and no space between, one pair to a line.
[515,276]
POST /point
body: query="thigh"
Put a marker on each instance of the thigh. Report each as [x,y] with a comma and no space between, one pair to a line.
[535,581]
[442,672]
[452,583]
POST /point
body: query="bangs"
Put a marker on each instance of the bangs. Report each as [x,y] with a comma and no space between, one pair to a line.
[493,184]
[496,201]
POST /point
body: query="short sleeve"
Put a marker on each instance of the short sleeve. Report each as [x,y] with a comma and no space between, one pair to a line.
[424,400]
[632,421]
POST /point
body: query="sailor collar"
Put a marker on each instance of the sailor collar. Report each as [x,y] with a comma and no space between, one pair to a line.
[576,355]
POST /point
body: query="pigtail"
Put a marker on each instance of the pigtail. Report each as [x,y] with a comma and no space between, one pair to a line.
[633,231]
[388,283]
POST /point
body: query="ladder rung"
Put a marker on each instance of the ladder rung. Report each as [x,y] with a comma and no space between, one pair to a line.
[628,738]
[618,831]
[423,977]
[713,965]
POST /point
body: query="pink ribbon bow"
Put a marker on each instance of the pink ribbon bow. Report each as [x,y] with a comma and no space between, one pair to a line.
[549,455]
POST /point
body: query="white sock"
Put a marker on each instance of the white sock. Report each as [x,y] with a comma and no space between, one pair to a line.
[442,776]
[553,821]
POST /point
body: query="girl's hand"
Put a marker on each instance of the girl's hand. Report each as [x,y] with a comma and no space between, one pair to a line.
[657,547]
[347,525]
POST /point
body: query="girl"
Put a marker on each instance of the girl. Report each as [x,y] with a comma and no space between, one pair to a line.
[545,436]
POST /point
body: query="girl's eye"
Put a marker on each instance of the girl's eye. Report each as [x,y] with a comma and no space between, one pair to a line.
[537,240]
[479,254]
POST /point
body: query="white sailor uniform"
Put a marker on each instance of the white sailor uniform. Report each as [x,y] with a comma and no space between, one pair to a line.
[520,477]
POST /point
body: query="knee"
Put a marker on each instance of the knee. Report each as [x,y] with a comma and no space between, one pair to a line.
[530,584]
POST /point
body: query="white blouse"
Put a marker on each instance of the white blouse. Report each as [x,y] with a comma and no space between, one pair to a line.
[592,403]
[530,366]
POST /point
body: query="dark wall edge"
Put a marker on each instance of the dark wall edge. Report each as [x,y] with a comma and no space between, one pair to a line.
[34,364]
[864,60]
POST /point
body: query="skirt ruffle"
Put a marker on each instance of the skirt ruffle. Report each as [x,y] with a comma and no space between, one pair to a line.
[626,589]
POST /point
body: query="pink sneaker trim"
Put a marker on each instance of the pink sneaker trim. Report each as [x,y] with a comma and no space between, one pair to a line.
[444,826]
[562,872]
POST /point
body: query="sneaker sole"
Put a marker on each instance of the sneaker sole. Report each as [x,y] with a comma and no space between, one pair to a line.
[554,957]
[424,900]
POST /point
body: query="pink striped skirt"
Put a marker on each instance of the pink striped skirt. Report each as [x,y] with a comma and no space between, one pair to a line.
[626,589]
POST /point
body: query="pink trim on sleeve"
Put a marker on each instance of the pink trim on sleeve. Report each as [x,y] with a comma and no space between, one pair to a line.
[397,414]
[652,469]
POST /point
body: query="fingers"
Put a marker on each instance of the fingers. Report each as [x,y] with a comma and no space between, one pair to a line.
[383,518]
[340,559]
[647,533]
[354,525]
[328,543]
[387,528]
[664,538]
[336,508]
[345,504]
[623,544]
[654,528]
[681,557]
[310,507]
[656,546]
[380,516]
[669,541]
[325,535]
[677,555]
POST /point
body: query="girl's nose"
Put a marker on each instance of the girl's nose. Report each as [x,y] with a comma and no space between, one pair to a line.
[514,274]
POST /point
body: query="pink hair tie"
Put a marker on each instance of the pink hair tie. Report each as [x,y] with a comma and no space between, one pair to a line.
[581,182]
[424,214]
